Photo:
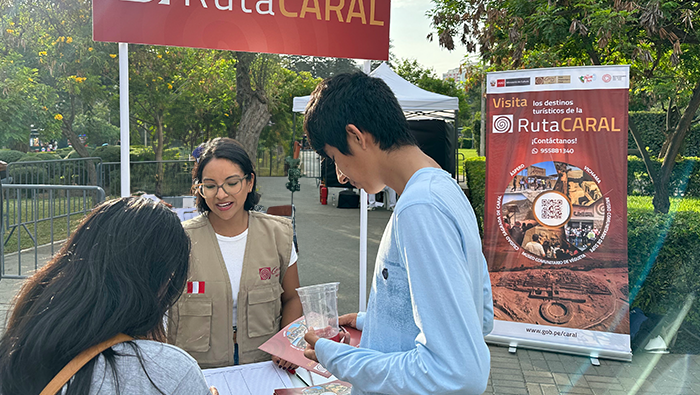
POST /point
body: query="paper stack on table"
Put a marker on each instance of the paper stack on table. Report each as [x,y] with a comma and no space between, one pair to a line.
[336,387]
[289,344]
[252,379]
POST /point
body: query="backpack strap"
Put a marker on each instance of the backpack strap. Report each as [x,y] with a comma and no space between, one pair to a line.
[79,361]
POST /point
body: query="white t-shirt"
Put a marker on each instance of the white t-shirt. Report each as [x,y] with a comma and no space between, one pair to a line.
[535,248]
[233,249]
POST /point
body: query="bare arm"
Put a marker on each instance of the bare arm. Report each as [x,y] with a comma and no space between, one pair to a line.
[291,306]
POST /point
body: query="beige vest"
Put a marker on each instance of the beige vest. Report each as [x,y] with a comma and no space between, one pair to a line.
[201,323]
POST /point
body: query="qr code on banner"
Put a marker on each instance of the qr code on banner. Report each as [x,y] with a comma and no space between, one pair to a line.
[551,208]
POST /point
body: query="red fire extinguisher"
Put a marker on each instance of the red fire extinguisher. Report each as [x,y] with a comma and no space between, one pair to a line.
[324,194]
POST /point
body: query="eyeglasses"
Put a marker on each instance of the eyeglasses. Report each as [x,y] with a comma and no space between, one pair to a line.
[231,186]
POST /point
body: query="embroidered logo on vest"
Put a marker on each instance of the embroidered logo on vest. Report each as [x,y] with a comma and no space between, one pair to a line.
[265,273]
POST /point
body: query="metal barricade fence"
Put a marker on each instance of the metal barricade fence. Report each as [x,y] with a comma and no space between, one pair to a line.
[310,163]
[176,177]
[74,171]
[270,163]
[35,221]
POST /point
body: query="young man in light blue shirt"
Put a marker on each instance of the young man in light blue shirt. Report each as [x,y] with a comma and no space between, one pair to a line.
[430,305]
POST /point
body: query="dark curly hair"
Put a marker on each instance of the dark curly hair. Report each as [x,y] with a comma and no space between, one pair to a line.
[232,150]
[119,272]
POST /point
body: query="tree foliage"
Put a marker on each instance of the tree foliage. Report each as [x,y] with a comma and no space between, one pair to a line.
[425,78]
[657,38]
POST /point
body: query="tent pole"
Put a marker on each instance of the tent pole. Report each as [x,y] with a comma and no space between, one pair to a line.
[482,140]
[124,119]
[294,131]
[363,232]
[456,145]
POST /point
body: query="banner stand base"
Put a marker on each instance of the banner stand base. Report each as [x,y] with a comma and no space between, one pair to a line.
[592,353]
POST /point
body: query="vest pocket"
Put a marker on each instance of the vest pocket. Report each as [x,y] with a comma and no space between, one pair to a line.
[194,325]
[264,305]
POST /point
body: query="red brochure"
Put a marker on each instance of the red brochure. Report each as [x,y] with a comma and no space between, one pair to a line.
[334,387]
[289,344]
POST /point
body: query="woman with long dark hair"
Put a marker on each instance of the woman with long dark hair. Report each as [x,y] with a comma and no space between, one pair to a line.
[242,268]
[119,273]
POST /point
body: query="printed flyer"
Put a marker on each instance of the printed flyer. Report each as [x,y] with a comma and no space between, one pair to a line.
[289,344]
[336,387]
[555,216]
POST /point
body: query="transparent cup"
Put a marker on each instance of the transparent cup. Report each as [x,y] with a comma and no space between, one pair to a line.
[320,304]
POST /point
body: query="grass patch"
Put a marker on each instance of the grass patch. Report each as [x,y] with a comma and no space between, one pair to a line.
[41,221]
[468,153]
[677,204]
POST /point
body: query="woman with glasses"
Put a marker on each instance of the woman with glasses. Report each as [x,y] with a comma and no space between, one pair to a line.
[243,272]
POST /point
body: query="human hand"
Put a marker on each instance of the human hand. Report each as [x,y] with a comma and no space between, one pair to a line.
[311,338]
[348,320]
[282,364]
[213,390]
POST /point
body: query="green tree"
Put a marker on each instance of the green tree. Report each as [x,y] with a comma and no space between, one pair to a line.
[207,108]
[158,78]
[658,39]
[287,85]
[426,78]
[55,39]
[22,100]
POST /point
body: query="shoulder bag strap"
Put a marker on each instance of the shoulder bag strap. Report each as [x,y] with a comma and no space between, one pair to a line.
[79,361]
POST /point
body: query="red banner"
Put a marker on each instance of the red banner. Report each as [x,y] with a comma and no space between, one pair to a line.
[556,206]
[335,28]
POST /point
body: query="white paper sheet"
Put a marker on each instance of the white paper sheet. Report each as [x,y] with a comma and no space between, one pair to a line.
[261,378]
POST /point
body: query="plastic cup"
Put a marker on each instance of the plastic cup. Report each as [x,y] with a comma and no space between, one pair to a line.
[320,304]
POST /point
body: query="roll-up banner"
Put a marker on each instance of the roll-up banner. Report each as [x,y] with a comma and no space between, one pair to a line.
[555,216]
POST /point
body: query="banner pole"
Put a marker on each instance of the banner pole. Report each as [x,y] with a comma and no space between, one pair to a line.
[124,119]
[363,232]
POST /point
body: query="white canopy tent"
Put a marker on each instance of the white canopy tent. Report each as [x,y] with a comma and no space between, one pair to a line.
[415,102]
[411,98]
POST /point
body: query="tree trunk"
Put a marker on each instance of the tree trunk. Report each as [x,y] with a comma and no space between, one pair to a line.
[67,131]
[160,174]
[661,200]
[661,180]
[253,103]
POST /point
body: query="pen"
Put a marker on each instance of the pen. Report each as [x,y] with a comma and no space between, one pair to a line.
[302,380]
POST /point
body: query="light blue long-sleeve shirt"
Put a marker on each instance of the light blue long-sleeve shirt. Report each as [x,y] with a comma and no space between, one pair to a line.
[430,305]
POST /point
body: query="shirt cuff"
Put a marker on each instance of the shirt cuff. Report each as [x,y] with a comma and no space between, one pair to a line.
[360,321]
[327,350]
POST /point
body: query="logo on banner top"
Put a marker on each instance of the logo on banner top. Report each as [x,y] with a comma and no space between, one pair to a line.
[517,81]
[587,78]
[553,79]
[607,78]
[502,123]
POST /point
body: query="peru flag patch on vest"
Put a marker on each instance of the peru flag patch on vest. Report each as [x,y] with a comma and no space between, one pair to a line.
[195,287]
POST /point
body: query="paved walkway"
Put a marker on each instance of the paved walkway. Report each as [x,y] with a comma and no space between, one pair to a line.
[329,251]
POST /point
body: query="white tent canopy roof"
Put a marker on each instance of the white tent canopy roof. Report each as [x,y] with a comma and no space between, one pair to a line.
[410,97]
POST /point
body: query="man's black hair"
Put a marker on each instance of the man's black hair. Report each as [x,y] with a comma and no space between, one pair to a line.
[360,100]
